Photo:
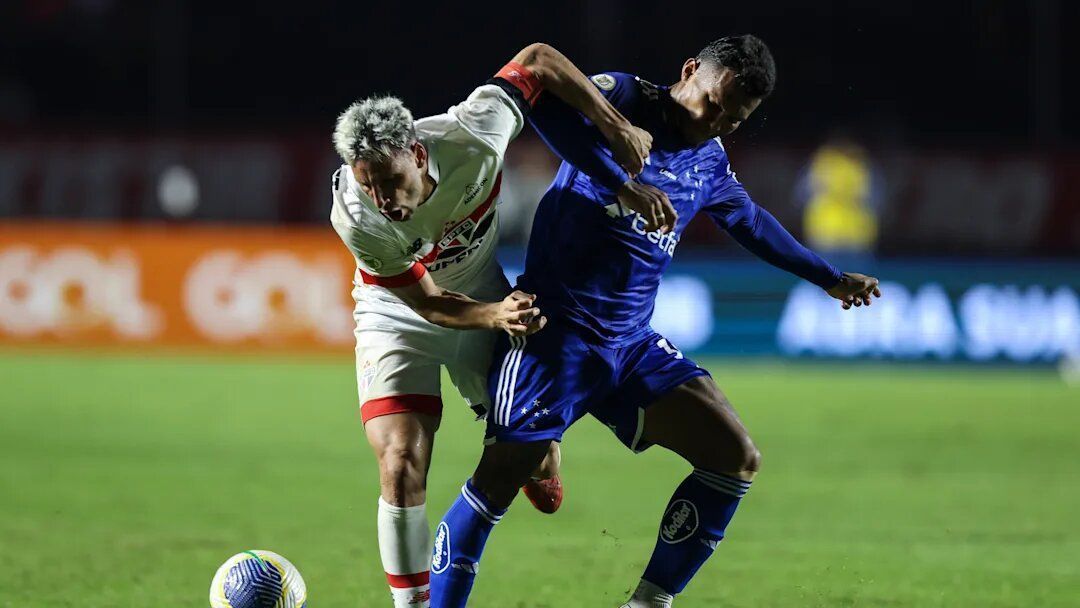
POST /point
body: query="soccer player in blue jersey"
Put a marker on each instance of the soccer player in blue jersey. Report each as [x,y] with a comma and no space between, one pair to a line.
[600,243]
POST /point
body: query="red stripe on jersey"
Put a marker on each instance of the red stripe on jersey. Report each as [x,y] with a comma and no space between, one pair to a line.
[409,277]
[406,581]
[401,404]
[525,81]
[475,216]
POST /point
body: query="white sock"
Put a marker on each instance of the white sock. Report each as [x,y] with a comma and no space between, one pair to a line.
[405,547]
[648,595]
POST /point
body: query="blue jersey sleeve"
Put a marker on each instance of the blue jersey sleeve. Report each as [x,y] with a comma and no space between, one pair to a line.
[761,234]
[575,139]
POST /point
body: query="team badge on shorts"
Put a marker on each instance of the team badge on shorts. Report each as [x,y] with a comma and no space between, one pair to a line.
[440,556]
[605,81]
[679,523]
[366,376]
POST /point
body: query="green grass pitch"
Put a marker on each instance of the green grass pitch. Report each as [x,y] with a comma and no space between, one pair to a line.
[125,481]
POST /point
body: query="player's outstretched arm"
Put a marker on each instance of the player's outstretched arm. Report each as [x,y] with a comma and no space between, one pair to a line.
[760,233]
[515,314]
[560,77]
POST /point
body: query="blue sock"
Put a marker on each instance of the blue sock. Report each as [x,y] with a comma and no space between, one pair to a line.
[459,542]
[693,524]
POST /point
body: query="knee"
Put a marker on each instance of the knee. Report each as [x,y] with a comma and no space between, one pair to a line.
[403,473]
[505,467]
[749,459]
[741,457]
[551,464]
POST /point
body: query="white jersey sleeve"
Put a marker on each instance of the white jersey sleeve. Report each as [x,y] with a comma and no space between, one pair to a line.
[375,257]
[491,116]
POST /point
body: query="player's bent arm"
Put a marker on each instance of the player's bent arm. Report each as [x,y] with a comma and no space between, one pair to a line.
[560,77]
[446,308]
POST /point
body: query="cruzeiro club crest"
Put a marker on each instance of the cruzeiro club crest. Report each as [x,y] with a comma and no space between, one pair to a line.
[606,82]
[679,523]
[440,556]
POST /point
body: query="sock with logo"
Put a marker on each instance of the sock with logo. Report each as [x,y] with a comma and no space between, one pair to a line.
[405,548]
[693,524]
[459,542]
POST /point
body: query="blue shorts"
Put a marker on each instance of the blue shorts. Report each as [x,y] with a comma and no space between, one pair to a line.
[542,384]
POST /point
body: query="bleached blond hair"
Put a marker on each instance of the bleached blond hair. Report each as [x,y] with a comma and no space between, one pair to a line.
[373,130]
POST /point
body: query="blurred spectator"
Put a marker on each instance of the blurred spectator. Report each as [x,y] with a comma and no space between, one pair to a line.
[839,193]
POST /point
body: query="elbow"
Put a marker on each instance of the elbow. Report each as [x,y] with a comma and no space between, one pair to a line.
[538,58]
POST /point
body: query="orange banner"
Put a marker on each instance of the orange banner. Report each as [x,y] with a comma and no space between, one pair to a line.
[240,288]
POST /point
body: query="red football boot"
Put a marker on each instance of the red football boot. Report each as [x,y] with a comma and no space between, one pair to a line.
[545,494]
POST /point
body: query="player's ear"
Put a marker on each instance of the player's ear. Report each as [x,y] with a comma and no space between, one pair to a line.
[689,67]
[420,152]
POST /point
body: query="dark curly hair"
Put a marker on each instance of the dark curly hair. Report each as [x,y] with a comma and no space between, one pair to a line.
[749,57]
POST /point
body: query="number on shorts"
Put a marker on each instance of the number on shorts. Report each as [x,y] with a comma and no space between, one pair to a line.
[668,348]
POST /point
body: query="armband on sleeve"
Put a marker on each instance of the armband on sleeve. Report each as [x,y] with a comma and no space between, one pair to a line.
[522,79]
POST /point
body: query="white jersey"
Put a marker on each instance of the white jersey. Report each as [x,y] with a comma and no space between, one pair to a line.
[453,233]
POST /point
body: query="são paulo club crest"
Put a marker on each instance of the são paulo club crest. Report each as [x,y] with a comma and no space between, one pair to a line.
[679,523]
[440,555]
[366,376]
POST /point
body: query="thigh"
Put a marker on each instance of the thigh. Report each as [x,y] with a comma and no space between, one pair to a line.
[395,372]
[540,385]
[468,368]
[648,370]
[405,436]
[696,421]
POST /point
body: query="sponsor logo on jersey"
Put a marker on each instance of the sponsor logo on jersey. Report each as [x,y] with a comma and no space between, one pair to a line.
[473,189]
[606,82]
[665,242]
[679,523]
[440,555]
[417,245]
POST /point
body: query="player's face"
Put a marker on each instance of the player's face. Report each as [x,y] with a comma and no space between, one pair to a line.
[714,101]
[397,185]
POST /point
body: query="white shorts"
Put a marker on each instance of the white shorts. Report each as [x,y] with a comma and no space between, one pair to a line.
[398,356]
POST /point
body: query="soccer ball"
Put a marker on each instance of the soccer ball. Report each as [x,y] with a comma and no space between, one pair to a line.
[258,579]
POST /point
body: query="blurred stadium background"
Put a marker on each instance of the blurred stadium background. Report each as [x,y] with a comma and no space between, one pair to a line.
[175,335]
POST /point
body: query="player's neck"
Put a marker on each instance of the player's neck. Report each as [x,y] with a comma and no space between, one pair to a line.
[429,184]
[679,113]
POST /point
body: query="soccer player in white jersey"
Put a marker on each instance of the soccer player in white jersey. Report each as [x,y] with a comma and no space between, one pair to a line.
[415,202]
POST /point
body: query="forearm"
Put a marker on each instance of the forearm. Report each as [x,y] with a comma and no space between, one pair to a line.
[761,234]
[454,310]
[560,77]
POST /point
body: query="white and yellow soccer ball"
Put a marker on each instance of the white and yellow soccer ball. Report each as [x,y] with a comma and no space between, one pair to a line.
[258,579]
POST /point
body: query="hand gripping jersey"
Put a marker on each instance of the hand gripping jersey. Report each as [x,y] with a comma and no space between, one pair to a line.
[452,234]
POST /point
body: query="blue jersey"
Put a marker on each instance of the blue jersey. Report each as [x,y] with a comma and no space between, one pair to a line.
[591,262]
